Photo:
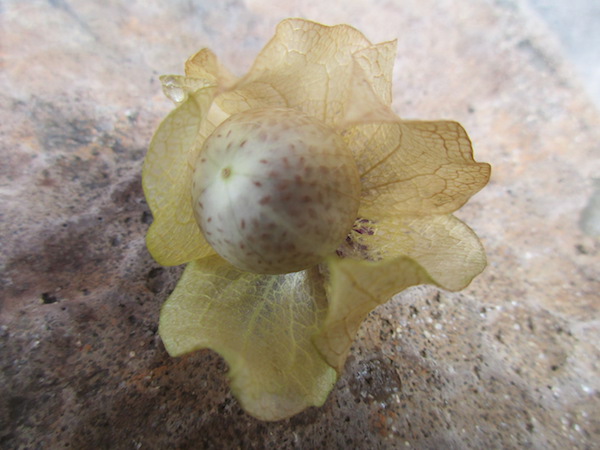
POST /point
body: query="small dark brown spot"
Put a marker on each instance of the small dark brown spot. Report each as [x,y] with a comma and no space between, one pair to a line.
[226,172]
[48,298]
[243,224]
[243,143]
[209,219]
[265,200]
[257,184]
[264,161]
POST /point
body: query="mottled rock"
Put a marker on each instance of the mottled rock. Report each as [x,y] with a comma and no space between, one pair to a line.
[512,361]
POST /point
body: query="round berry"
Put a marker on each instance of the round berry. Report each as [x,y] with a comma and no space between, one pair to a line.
[275,190]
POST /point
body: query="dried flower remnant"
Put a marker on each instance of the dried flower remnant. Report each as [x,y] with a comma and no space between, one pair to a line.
[353,246]
[300,202]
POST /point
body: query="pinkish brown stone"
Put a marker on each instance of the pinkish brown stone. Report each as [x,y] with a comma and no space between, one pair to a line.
[511,362]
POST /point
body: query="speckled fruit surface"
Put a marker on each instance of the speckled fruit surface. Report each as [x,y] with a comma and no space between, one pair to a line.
[513,361]
[275,191]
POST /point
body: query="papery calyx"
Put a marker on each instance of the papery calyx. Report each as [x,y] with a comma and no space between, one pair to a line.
[275,190]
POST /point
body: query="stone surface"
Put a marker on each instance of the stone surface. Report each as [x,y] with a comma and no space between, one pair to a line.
[575,23]
[512,361]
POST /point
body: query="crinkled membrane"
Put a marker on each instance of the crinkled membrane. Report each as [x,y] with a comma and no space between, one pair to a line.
[286,337]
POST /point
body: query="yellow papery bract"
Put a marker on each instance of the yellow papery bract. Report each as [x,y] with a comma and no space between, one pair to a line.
[204,65]
[262,325]
[356,288]
[178,88]
[174,237]
[285,337]
[438,250]
[255,96]
[313,67]
[415,167]
[443,245]
[377,62]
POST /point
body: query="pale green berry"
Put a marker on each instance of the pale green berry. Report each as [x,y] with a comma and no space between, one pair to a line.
[275,190]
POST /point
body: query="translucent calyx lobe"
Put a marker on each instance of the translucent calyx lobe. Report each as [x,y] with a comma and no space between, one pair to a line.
[275,190]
